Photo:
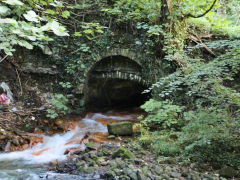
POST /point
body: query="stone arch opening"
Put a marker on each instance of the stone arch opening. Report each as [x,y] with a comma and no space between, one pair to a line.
[116,82]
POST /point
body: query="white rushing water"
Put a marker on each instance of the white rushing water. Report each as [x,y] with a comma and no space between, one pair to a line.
[54,145]
[23,165]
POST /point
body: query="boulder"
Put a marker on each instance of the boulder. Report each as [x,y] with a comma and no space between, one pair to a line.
[120,128]
[123,153]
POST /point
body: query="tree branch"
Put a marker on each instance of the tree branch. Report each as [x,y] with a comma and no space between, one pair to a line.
[1,60]
[201,15]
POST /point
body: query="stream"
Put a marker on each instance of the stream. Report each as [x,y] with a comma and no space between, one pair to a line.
[33,163]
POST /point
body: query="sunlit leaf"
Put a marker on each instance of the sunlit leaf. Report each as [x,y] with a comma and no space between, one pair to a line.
[13,2]
[31,16]
[65,14]
[8,21]
[49,11]
[78,34]
[56,28]
[3,10]
[25,44]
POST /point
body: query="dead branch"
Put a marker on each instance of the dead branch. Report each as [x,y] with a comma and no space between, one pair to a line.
[199,41]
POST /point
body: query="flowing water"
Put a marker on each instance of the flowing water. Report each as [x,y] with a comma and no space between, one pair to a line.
[33,163]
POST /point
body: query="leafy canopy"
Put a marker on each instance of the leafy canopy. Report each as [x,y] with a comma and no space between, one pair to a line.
[27,24]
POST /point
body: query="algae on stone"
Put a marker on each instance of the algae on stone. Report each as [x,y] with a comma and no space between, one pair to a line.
[120,128]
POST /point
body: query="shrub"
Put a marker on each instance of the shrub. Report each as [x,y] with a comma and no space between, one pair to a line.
[162,114]
[58,106]
[210,137]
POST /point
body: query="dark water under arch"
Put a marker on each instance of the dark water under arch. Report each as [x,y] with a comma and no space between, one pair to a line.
[114,81]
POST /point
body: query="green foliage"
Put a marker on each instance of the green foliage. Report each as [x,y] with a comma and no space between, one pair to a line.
[216,24]
[162,114]
[65,84]
[89,30]
[163,144]
[145,138]
[136,10]
[211,137]
[207,137]
[21,25]
[59,106]
[209,131]
[202,83]
[195,7]
[222,20]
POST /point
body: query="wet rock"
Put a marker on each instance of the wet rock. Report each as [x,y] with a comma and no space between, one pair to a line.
[18,132]
[96,176]
[123,153]
[102,162]
[21,142]
[206,177]
[228,172]
[112,163]
[164,176]
[222,178]
[140,175]
[60,124]
[145,171]
[85,157]
[118,172]
[92,146]
[38,131]
[53,163]
[108,175]
[7,147]
[120,128]
[195,176]
[80,163]
[77,152]
[15,142]
[74,158]
[93,156]
[158,170]
[2,137]
[138,161]
[85,169]
[166,160]
[25,146]
[168,169]
[111,137]
[175,175]
[133,176]
[103,152]
[92,162]
[184,171]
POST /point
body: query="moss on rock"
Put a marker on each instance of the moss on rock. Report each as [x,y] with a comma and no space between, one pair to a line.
[120,128]
[123,153]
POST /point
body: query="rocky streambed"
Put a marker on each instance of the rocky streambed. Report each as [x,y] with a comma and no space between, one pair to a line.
[81,148]
[126,161]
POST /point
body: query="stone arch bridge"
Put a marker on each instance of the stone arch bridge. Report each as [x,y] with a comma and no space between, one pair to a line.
[115,79]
